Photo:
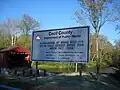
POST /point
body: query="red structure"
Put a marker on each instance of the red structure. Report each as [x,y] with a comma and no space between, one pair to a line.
[14,57]
[16,49]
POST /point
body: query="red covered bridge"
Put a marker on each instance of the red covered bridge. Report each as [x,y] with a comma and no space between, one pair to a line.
[14,57]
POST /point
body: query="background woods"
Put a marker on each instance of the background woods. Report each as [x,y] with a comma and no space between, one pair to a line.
[18,32]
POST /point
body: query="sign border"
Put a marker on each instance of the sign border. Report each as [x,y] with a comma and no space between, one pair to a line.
[88,50]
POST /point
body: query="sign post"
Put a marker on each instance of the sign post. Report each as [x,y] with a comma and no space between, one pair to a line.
[81,66]
[76,67]
[66,45]
[36,72]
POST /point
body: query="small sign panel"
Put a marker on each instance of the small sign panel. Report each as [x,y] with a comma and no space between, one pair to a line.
[67,45]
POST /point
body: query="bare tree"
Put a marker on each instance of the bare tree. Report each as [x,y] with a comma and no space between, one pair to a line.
[117,44]
[10,25]
[117,17]
[28,24]
[97,13]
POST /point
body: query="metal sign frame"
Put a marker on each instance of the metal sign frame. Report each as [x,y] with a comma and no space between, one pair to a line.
[88,54]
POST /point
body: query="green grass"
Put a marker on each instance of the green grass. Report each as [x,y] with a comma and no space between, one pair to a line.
[55,67]
[48,67]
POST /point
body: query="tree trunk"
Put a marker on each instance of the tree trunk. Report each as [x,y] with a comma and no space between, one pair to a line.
[97,54]
[12,43]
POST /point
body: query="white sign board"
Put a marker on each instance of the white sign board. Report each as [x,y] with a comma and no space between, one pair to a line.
[67,45]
